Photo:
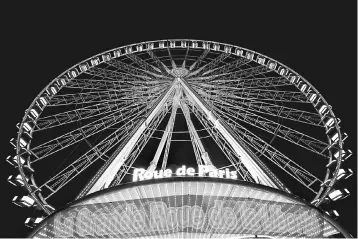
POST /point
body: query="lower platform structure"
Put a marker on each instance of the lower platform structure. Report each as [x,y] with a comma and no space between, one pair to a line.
[189,207]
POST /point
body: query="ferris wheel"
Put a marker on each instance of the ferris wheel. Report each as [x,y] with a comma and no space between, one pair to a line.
[140,106]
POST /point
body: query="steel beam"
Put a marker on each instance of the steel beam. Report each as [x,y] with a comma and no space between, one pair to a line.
[257,173]
[109,174]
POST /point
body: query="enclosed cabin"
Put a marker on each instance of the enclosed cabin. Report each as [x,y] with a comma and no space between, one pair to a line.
[139,48]
[172,44]
[84,67]
[43,101]
[27,127]
[344,173]
[73,73]
[271,65]
[52,90]
[13,160]
[162,44]
[128,50]
[227,49]
[194,44]
[249,55]
[183,44]
[215,46]
[107,57]
[150,46]
[282,71]
[33,222]
[344,154]
[338,194]
[239,52]
[206,46]
[24,201]
[117,53]
[330,122]
[261,60]
[62,81]
[95,61]
[17,180]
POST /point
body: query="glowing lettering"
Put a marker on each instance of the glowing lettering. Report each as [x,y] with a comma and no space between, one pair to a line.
[197,217]
[139,221]
[190,171]
[140,174]
[181,171]
[172,221]
[224,216]
[230,220]
[168,173]
[158,216]
[83,223]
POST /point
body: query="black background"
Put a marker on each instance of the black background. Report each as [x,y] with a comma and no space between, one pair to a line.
[318,39]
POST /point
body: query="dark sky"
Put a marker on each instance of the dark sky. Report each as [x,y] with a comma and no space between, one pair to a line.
[317,39]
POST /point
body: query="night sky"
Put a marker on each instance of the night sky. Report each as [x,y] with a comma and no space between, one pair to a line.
[317,41]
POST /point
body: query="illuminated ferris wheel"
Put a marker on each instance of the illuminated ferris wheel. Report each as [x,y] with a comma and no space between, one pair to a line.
[126,114]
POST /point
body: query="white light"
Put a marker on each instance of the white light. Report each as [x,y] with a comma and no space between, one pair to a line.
[190,171]
[27,201]
[335,137]
[23,143]
[344,173]
[338,194]
[335,195]
[140,174]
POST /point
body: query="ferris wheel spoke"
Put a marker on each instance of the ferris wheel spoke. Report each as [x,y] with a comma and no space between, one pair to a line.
[61,142]
[197,63]
[257,94]
[228,67]
[236,85]
[258,82]
[174,66]
[280,130]
[210,66]
[265,149]
[143,64]
[222,144]
[105,176]
[166,138]
[138,147]
[85,98]
[101,96]
[159,64]
[186,57]
[81,113]
[137,72]
[116,76]
[272,95]
[272,109]
[240,74]
[250,72]
[90,84]
[99,151]
[201,155]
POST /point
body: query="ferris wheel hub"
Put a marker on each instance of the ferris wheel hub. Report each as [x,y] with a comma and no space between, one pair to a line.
[180,72]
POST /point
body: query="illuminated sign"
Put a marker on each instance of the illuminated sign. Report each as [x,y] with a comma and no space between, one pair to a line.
[193,214]
[140,174]
[196,208]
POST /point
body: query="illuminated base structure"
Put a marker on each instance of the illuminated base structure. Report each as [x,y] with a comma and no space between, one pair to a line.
[248,132]
[189,207]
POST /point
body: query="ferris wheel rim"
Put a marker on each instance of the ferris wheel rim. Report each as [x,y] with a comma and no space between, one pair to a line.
[21,128]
